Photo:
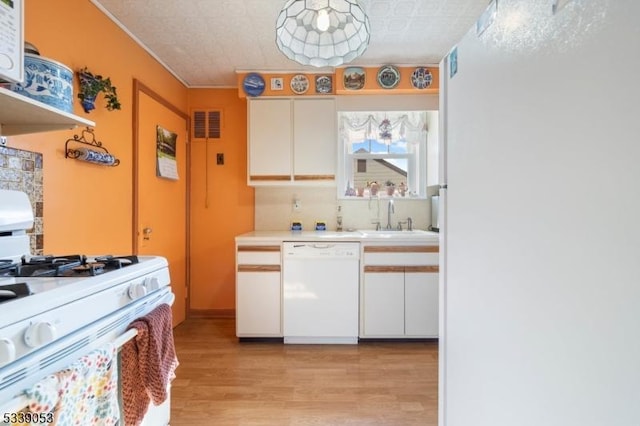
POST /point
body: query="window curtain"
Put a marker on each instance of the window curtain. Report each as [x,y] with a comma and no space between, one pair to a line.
[388,127]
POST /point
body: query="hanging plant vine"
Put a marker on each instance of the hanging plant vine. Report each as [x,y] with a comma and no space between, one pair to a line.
[91,85]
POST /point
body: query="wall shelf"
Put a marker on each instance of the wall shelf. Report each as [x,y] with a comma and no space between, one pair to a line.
[21,115]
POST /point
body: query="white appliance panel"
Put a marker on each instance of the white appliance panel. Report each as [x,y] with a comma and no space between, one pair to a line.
[50,292]
[541,231]
[62,318]
[320,285]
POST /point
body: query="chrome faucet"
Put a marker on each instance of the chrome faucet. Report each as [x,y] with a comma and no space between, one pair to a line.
[409,224]
[390,209]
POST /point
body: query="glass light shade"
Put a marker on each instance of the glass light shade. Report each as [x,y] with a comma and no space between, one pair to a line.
[302,37]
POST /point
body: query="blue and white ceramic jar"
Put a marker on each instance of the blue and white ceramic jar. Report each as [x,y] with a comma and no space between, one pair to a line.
[46,81]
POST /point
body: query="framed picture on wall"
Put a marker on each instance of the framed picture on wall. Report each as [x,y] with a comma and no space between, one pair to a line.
[12,40]
[277,83]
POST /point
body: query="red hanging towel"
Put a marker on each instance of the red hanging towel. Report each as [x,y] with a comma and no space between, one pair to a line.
[148,364]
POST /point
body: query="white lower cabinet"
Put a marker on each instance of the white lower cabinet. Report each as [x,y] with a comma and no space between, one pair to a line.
[421,304]
[258,291]
[383,304]
[399,297]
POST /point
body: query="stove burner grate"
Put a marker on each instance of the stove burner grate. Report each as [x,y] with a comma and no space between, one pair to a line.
[6,265]
[64,266]
[117,262]
[49,266]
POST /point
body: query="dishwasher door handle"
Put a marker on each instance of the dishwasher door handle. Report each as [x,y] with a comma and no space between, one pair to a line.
[322,246]
[314,245]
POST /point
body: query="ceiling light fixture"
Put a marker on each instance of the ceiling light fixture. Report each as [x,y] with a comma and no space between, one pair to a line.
[322,32]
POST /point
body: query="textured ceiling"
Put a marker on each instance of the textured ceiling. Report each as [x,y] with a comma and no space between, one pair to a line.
[204,42]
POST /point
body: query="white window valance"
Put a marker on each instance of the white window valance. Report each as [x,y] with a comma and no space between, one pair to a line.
[390,127]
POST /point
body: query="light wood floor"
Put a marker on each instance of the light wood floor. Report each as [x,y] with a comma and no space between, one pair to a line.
[223,382]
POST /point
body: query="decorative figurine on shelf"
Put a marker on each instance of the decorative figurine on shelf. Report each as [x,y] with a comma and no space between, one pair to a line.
[373,188]
[391,188]
[402,189]
[91,85]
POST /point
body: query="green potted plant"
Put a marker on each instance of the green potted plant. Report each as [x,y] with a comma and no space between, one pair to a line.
[91,85]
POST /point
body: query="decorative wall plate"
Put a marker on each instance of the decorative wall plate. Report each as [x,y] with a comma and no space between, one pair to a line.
[421,78]
[299,84]
[253,84]
[354,78]
[323,84]
[388,77]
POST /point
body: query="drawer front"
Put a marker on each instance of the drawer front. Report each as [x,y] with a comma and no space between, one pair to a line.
[258,255]
[401,255]
[403,269]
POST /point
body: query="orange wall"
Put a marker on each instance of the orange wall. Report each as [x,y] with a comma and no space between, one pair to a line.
[87,207]
[222,205]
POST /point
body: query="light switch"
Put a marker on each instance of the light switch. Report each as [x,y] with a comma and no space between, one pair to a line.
[220,159]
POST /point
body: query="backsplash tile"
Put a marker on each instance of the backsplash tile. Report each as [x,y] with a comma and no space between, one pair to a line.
[274,209]
[22,171]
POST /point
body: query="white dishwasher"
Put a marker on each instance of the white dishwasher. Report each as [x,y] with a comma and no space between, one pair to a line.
[320,300]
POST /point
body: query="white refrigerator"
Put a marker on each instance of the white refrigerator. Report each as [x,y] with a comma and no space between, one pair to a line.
[540,231]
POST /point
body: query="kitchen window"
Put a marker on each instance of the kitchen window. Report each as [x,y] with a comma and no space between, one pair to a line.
[383,149]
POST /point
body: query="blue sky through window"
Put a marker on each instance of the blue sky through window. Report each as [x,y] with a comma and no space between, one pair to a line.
[378,147]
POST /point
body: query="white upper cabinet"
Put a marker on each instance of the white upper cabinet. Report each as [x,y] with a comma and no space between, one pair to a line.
[314,140]
[21,115]
[292,141]
[269,140]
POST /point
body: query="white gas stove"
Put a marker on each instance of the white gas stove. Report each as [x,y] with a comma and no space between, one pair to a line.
[54,309]
[59,305]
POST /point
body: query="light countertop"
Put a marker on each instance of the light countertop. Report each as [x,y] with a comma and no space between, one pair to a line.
[358,236]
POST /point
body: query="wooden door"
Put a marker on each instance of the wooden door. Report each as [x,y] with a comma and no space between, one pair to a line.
[160,204]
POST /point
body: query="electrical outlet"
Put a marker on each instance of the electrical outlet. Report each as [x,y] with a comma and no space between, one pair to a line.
[219,159]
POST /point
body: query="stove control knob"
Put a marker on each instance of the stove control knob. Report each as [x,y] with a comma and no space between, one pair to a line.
[7,351]
[39,333]
[137,290]
[152,283]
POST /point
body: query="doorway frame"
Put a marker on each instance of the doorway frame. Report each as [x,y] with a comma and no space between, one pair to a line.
[138,88]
